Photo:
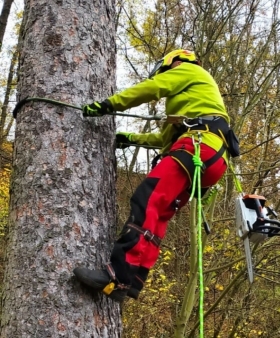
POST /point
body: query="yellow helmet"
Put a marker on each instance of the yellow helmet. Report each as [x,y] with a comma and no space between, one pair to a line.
[179,54]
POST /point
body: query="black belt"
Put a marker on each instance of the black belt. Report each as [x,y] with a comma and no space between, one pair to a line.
[200,120]
[214,124]
[206,117]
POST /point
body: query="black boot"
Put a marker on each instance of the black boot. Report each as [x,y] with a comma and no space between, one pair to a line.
[104,281]
[138,282]
[133,293]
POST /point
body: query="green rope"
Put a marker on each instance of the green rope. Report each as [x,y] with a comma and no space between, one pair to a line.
[197,185]
[237,182]
[21,103]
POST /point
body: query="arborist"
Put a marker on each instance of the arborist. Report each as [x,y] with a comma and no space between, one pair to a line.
[193,96]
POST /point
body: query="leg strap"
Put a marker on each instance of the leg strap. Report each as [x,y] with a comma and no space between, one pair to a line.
[115,281]
[215,158]
[185,159]
[147,234]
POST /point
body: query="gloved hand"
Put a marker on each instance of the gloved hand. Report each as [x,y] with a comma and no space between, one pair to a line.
[97,108]
[123,140]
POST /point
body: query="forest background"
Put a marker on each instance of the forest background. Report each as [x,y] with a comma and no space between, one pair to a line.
[238,43]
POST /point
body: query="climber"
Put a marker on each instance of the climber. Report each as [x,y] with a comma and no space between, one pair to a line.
[192,93]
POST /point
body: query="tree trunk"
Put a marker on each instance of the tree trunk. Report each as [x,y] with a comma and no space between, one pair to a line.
[4,18]
[62,211]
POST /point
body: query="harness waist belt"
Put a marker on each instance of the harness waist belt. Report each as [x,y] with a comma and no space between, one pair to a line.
[150,237]
[203,118]
[214,124]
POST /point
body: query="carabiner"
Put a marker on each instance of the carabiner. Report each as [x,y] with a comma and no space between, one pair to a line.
[199,136]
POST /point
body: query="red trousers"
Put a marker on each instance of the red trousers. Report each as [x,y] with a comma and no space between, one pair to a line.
[152,206]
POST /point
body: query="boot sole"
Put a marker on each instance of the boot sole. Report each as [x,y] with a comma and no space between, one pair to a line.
[84,277]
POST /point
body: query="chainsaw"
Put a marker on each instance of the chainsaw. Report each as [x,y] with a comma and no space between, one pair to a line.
[255,222]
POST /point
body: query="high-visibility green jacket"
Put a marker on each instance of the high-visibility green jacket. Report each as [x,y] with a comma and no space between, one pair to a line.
[189,90]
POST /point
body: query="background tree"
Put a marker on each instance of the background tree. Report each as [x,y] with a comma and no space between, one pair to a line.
[62,210]
[8,66]
[7,4]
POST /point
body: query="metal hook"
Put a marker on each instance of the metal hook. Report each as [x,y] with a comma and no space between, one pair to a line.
[185,123]
[199,138]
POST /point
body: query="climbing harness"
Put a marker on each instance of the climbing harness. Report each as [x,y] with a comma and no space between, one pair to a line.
[184,158]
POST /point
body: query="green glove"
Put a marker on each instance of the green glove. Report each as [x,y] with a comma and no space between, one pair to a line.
[123,140]
[97,108]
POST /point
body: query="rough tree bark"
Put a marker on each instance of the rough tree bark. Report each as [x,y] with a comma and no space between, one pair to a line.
[63,186]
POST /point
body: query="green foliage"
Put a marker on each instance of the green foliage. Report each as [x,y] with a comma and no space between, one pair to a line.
[151,35]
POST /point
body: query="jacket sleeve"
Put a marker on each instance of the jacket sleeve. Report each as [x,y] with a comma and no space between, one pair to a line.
[162,85]
[147,139]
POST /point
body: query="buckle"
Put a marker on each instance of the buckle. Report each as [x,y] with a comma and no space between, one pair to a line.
[121,286]
[148,235]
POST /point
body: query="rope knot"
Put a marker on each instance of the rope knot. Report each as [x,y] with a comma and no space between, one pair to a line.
[197,161]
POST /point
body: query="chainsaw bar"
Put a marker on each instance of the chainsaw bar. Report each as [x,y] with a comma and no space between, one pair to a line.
[243,231]
[248,210]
